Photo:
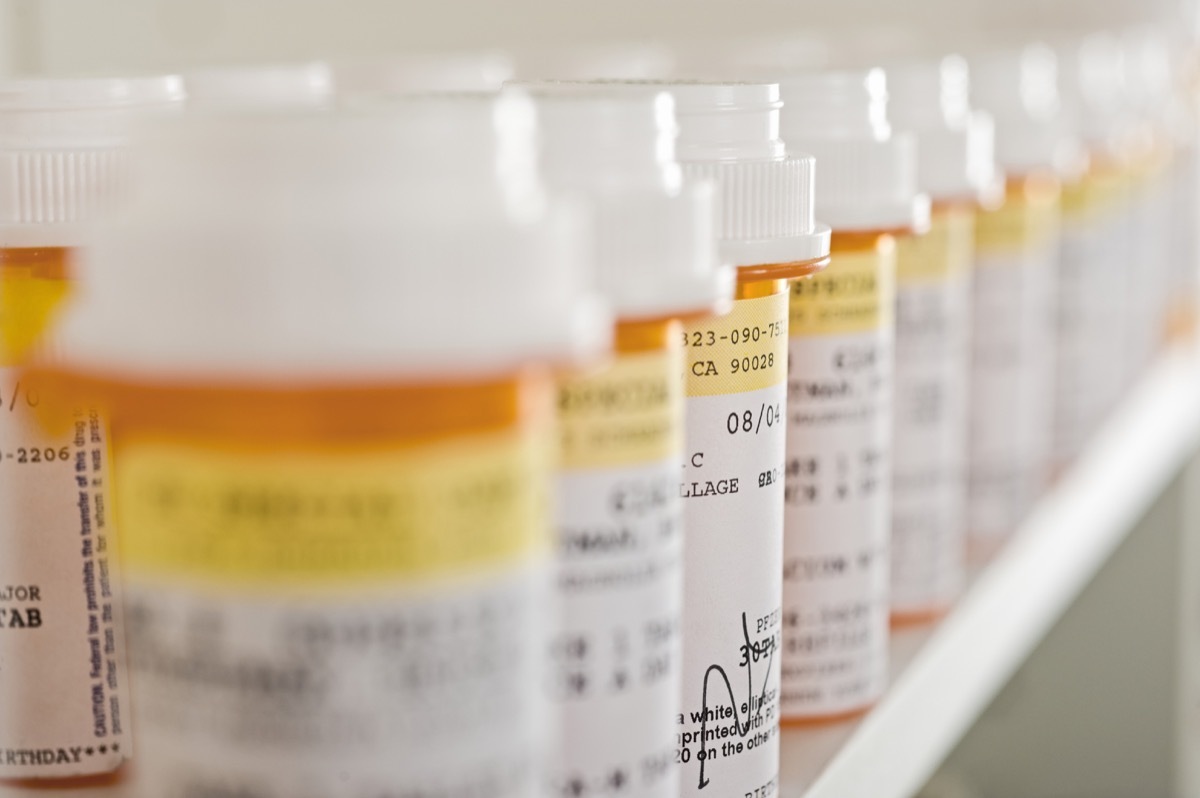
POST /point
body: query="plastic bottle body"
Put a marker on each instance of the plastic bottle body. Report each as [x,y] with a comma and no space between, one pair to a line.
[63,685]
[836,484]
[1092,308]
[1184,279]
[929,432]
[734,448]
[616,649]
[333,589]
[1149,281]
[1012,357]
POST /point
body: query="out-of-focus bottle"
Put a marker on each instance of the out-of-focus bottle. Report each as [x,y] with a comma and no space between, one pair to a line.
[1150,100]
[956,168]
[260,86]
[323,341]
[1097,266]
[1013,330]
[1184,281]
[616,650]
[837,484]
[65,725]
[736,391]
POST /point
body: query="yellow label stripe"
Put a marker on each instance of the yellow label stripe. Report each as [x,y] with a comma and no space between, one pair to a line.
[745,350]
[327,518]
[629,411]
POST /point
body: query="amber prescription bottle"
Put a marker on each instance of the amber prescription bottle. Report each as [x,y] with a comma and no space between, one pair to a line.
[323,340]
[63,684]
[837,484]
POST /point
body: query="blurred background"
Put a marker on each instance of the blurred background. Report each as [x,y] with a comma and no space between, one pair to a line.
[57,36]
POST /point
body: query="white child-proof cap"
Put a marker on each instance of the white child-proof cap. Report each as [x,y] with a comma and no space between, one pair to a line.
[729,134]
[1093,93]
[408,242]
[1018,86]
[266,86]
[867,174]
[63,151]
[956,151]
[655,234]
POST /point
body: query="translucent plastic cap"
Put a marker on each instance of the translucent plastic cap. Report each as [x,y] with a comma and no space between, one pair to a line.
[365,245]
[957,156]
[1093,91]
[868,174]
[270,86]
[63,159]
[729,134]
[1018,86]
[655,235]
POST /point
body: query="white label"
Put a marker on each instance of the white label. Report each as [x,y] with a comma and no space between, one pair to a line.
[1089,365]
[308,698]
[728,732]
[62,648]
[929,435]
[836,488]
[1010,389]
[616,652]
[337,623]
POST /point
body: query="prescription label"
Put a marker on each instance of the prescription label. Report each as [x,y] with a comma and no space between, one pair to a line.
[836,481]
[626,412]
[62,657]
[615,654]
[62,647]
[1092,310]
[1012,362]
[337,624]
[727,736]
[324,518]
[854,294]
[929,435]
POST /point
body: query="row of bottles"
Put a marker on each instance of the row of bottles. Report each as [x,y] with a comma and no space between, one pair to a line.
[367,434]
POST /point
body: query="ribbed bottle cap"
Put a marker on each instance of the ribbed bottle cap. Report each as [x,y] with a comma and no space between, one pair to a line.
[867,177]
[63,159]
[1149,86]
[655,235]
[366,245]
[270,86]
[956,143]
[1018,86]
[485,70]
[729,134]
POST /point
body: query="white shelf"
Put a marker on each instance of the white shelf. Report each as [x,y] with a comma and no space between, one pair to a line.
[944,676]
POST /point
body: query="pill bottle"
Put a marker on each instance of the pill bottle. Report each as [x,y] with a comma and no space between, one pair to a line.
[1096,262]
[933,324]
[330,415]
[734,435]
[615,654]
[1150,101]
[65,724]
[260,86]
[1013,327]
[1184,279]
[837,480]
